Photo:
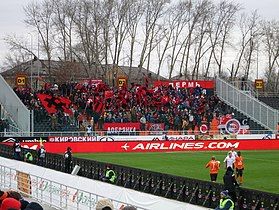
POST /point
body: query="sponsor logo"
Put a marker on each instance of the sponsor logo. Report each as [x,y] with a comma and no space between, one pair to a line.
[180,146]
[204,128]
[125,146]
[23,139]
[232,126]
[106,138]
[72,139]
[116,130]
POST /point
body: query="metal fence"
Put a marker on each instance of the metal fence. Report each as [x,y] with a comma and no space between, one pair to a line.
[183,189]
[52,193]
[247,104]
[132,133]
[14,106]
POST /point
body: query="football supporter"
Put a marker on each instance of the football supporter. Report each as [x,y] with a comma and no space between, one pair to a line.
[239,167]
[104,204]
[214,167]
[10,203]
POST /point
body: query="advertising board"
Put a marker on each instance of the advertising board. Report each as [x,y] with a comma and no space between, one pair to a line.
[156,146]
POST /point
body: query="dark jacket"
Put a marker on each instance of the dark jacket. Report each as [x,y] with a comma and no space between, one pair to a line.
[230,181]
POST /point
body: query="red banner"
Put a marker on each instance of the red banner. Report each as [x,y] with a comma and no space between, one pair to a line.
[121,128]
[156,146]
[207,84]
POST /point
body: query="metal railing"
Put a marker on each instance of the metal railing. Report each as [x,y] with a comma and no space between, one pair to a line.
[14,106]
[247,104]
[246,86]
[132,133]
[54,194]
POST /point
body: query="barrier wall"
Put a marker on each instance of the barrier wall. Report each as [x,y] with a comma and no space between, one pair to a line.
[193,191]
[71,192]
[155,146]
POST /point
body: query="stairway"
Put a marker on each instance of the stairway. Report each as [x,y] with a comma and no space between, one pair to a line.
[247,104]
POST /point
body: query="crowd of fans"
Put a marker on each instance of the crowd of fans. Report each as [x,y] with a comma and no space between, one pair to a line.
[13,200]
[178,109]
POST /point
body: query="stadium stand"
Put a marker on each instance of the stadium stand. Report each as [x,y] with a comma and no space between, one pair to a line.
[87,104]
[271,101]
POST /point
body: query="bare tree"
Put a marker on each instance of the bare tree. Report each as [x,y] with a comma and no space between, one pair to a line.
[153,11]
[133,18]
[271,44]
[193,15]
[250,34]
[202,36]
[63,22]
[178,21]
[39,16]
[228,11]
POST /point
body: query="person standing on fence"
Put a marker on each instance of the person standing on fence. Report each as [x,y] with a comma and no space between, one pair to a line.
[239,167]
[214,167]
[17,150]
[68,160]
[41,156]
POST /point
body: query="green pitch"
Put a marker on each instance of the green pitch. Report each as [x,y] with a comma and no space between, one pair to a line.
[261,167]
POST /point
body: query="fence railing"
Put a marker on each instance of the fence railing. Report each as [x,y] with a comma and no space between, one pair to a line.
[183,189]
[131,133]
[247,104]
[49,192]
[14,106]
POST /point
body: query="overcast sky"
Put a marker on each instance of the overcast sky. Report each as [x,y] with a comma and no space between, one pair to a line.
[12,16]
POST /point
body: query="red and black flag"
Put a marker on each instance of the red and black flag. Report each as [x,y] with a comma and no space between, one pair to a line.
[53,104]
[98,107]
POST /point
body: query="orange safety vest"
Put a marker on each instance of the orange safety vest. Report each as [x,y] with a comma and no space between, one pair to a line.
[214,166]
[239,164]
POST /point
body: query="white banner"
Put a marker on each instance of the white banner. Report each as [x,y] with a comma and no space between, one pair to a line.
[146,138]
[256,136]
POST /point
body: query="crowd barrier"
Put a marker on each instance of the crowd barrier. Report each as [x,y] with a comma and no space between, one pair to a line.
[188,190]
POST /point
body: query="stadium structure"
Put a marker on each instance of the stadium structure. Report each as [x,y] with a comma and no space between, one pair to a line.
[129,116]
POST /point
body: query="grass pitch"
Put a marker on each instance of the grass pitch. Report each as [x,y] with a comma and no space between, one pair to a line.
[261,167]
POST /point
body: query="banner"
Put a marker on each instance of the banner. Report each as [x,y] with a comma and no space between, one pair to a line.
[23,182]
[24,139]
[58,139]
[53,104]
[121,128]
[207,84]
[156,146]
[146,138]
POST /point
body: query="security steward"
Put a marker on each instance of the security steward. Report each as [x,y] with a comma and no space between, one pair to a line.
[110,175]
[28,157]
[226,202]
